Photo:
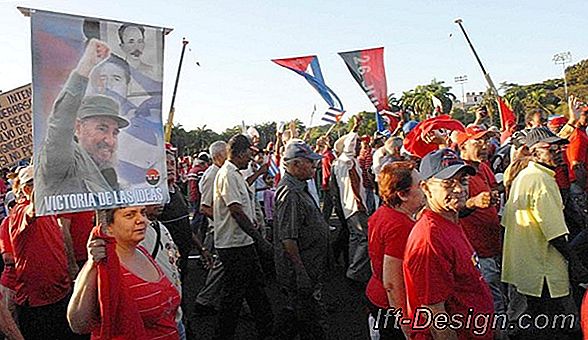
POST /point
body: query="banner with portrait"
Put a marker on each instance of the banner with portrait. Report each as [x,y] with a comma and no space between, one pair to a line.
[16,138]
[97,125]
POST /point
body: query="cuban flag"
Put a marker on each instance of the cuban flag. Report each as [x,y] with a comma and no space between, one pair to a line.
[309,68]
[273,169]
[333,115]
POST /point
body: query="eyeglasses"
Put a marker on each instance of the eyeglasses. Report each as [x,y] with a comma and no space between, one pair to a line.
[463,181]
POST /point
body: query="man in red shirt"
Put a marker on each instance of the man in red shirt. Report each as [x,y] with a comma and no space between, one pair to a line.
[441,268]
[577,154]
[76,231]
[194,175]
[366,160]
[43,284]
[480,220]
[323,147]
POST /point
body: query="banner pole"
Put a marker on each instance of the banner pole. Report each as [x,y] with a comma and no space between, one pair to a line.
[170,118]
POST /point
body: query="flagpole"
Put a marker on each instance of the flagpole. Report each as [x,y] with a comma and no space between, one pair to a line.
[312,115]
[459,22]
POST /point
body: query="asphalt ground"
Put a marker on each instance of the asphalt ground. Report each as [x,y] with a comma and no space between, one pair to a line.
[346,306]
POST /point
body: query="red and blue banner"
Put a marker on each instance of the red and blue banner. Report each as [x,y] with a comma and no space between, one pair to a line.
[367,68]
[309,68]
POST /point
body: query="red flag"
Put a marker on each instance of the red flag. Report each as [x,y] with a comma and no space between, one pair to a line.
[367,68]
[507,117]
[392,118]
[414,143]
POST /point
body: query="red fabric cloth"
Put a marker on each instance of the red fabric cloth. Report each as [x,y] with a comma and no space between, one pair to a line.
[39,255]
[414,143]
[119,315]
[482,227]
[584,316]
[157,302]
[507,116]
[387,235]
[366,159]
[562,176]
[441,265]
[80,229]
[8,278]
[577,151]
[326,162]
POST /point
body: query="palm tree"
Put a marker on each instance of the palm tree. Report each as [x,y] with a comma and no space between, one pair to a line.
[419,99]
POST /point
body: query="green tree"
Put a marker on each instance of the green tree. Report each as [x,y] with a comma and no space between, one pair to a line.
[419,99]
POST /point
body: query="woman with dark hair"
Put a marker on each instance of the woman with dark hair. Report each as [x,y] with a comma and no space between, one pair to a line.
[121,292]
[388,232]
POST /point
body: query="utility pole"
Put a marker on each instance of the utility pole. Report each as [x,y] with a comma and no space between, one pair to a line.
[563,59]
[462,80]
[170,118]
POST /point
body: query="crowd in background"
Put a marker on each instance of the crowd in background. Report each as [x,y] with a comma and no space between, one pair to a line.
[456,219]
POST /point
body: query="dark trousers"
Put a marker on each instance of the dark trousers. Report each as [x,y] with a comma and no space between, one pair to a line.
[386,327]
[243,279]
[46,322]
[549,306]
[303,315]
[340,245]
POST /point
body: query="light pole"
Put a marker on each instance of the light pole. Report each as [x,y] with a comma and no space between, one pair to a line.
[563,59]
[462,80]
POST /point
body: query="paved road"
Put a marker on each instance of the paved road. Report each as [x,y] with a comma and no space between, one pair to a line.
[347,317]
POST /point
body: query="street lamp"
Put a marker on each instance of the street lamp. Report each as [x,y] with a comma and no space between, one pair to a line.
[462,80]
[563,58]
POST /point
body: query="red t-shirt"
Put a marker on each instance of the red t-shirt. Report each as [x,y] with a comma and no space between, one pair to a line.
[327,161]
[482,227]
[157,302]
[39,255]
[562,176]
[577,150]
[80,229]
[441,265]
[8,278]
[387,234]
[194,177]
[366,159]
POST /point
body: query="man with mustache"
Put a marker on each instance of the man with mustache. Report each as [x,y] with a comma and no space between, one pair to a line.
[537,258]
[482,225]
[132,42]
[78,154]
[441,268]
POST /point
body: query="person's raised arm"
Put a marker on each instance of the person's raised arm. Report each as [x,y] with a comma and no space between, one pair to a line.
[61,124]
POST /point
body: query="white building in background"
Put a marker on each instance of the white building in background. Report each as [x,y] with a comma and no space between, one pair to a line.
[471,99]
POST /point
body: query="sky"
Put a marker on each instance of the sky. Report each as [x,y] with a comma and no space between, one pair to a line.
[234,42]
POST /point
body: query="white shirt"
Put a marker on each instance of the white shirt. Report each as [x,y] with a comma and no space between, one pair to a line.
[167,256]
[206,186]
[341,167]
[230,187]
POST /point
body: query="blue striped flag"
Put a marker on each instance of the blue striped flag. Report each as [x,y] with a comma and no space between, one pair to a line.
[333,115]
[273,169]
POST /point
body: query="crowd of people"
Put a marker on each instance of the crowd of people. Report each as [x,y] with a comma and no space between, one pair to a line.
[473,227]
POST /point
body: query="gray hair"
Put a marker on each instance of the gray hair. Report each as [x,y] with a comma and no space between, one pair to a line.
[217,148]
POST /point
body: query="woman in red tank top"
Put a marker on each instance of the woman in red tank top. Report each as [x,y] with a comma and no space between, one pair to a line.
[121,292]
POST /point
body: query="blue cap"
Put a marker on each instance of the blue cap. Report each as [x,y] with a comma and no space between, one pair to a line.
[443,164]
[299,149]
[408,126]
